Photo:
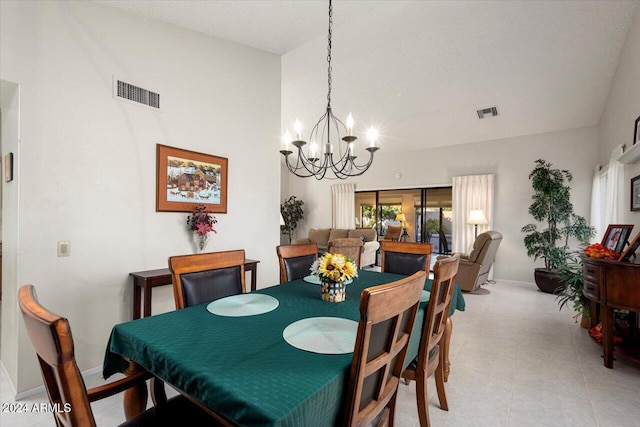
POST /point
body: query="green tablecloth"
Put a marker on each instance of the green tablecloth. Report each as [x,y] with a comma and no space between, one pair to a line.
[241,367]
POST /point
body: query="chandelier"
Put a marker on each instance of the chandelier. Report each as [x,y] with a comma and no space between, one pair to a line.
[320,160]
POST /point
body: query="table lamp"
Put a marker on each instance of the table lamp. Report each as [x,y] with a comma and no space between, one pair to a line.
[476,217]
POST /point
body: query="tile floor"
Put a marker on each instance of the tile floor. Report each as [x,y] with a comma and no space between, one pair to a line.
[516,361]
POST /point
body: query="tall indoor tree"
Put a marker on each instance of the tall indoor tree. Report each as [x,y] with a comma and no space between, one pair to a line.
[552,208]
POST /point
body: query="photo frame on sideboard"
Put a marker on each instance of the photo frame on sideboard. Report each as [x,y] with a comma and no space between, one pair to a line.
[616,236]
[630,252]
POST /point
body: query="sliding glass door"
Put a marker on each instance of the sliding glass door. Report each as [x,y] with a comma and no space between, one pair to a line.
[427,214]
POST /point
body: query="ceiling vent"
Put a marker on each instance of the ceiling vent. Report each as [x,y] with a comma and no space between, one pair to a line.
[128,92]
[487,112]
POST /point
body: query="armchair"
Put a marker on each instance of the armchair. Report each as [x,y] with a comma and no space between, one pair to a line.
[474,268]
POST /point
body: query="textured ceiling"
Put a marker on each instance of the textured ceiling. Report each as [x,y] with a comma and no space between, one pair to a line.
[420,69]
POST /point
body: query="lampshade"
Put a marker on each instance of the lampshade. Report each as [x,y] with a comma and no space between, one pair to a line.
[281,220]
[476,216]
[400,217]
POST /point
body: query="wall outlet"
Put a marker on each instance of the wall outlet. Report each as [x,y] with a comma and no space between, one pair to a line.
[64,248]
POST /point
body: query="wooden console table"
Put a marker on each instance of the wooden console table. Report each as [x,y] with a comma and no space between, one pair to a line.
[149,279]
[609,285]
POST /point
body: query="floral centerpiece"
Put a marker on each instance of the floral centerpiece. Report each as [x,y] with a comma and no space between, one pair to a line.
[334,270]
[597,250]
[201,223]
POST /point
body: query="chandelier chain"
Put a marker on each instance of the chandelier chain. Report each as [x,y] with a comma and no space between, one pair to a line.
[329,54]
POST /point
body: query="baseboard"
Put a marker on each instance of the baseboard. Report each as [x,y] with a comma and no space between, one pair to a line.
[39,389]
[514,282]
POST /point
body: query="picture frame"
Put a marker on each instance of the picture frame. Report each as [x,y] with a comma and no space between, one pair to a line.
[635,194]
[185,179]
[636,133]
[8,167]
[616,236]
[630,252]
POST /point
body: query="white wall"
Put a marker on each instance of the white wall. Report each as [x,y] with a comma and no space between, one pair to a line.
[9,109]
[621,111]
[89,162]
[510,159]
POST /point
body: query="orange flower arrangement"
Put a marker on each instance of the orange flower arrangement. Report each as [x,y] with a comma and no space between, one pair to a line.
[598,251]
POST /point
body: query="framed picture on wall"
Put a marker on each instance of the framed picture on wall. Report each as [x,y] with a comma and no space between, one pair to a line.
[630,252]
[636,133]
[635,193]
[186,179]
[616,236]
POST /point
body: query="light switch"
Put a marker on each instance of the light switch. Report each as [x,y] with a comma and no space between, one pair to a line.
[64,248]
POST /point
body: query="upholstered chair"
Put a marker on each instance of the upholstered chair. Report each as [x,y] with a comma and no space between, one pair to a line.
[295,260]
[393,233]
[349,247]
[207,277]
[474,268]
[387,314]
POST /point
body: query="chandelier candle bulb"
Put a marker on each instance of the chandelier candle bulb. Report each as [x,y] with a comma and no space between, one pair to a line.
[350,125]
[298,129]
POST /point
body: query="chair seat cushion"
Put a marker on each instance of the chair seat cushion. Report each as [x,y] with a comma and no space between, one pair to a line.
[177,411]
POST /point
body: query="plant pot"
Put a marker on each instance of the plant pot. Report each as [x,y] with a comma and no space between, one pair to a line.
[585,322]
[547,280]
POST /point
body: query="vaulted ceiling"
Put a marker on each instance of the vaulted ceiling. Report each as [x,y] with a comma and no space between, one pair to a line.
[421,69]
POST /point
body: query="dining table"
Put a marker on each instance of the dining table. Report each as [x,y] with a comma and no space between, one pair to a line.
[245,366]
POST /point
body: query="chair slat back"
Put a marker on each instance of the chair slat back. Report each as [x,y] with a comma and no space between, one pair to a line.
[437,313]
[51,338]
[387,314]
[207,277]
[405,257]
[295,260]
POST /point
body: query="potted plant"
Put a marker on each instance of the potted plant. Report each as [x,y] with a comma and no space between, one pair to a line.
[552,207]
[570,290]
[291,210]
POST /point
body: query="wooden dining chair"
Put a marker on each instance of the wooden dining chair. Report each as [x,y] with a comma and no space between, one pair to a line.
[51,338]
[295,260]
[387,314]
[430,358]
[405,257]
[349,247]
[206,277]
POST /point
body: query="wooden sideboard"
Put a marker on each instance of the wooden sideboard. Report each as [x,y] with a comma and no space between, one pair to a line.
[613,285]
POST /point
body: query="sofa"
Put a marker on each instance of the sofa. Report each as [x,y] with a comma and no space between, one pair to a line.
[323,236]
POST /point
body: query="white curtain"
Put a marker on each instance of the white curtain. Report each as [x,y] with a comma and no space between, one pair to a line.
[343,202]
[470,192]
[598,197]
[615,187]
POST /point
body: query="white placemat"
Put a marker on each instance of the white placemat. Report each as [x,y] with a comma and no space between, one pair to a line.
[243,305]
[315,280]
[425,296]
[324,335]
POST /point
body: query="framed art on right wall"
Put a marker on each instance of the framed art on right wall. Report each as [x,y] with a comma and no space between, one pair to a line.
[636,133]
[635,193]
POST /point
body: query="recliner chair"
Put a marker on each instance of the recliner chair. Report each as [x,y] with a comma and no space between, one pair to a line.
[474,268]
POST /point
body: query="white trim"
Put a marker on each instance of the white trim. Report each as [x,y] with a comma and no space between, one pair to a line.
[632,155]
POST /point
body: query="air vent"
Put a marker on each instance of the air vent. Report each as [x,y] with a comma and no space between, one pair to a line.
[487,112]
[129,92]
